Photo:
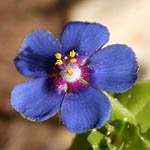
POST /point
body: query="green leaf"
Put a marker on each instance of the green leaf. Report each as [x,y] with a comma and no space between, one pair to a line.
[94,138]
[147,134]
[132,138]
[99,141]
[137,101]
[119,112]
[127,137]
[80,142]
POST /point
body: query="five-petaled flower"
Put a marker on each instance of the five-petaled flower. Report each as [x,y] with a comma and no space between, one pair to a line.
[68,75]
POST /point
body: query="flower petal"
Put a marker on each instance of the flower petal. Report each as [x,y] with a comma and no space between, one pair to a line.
[114,68]
[84,110]
[30,69]
[84,38]
[36,52]
[36,99]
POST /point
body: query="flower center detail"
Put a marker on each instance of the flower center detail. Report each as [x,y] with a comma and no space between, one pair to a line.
[71,59]
[70,71]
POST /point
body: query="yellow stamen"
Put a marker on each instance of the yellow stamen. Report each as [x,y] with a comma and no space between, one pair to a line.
[59,62]
[65,57]
[72,53]
[58,55]
[69,71]
[73,60]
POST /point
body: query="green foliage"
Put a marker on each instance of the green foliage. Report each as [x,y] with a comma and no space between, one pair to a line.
[137,101]
[80,142]
[94,139]
[129,126]
[119,112]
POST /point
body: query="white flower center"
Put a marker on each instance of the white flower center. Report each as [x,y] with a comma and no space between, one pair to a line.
[71,73]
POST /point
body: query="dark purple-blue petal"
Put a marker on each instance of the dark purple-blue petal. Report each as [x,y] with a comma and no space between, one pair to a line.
[84,110]
[37,54]
[36,99]
[115,68]
[84,38]
[30,69]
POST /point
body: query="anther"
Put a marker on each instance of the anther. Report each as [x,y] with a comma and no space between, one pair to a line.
[65,57]
[58,55]
[72,53]
[69,71]
[59,62]
[73,60]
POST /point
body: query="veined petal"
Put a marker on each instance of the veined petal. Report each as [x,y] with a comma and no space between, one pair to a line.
[84,38]
[36,99]
[115,68]
[37,50]
[84,110]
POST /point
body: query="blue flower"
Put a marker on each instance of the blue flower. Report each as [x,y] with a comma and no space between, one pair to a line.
[68,74]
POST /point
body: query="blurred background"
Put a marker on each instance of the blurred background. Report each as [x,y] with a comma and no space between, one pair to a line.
[128,22]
